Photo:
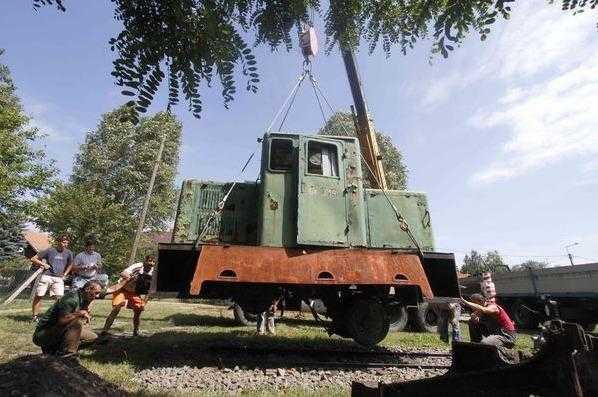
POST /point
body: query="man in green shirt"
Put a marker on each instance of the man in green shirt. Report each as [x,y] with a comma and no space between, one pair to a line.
[66,323]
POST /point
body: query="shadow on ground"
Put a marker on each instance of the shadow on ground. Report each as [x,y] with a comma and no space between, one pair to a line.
[39,375]
[198,349]
[20,317]
[292,320]
[190,319]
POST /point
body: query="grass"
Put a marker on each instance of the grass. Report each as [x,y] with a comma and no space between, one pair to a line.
[175,334]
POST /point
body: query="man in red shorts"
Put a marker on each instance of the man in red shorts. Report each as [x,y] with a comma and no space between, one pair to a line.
[134,281]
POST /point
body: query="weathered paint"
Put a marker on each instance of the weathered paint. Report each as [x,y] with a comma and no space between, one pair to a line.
[291,208]
[383,227]
[346,266]
[354,202]
[321,212]
[237,223]
[277,211]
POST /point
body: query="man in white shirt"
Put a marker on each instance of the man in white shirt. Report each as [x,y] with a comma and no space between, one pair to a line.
[135,281]
[87,267]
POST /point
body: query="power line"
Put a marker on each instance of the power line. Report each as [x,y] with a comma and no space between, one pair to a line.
[506,255]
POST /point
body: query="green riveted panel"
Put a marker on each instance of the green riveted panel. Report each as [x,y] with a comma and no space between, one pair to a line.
[355,206]
[384,229]
[321,209]
[237,223]
[304,197]
[278,207]
[187,216]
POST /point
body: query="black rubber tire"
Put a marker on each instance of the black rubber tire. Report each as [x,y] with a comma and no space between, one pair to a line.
[589,327]
[241,317]
[524,318]
[367,322]
[398,317]
[424,319]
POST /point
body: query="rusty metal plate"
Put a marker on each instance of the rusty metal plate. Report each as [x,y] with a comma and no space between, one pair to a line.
[345,266]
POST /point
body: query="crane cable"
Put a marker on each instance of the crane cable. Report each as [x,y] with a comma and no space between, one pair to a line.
[291,97]
[402,221]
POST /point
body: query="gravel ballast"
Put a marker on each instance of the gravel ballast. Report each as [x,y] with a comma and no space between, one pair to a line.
[234,379]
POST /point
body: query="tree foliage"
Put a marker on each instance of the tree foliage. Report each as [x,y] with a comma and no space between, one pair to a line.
[475,263]
[341,123]
[531,264]
[110,178]
[186,42]
[12,242]
[82,211]
[24,171]
[118,158]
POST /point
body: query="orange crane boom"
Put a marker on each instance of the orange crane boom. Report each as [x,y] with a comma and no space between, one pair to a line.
[363,125]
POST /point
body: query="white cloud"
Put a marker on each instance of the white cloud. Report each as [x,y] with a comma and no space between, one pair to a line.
[540,37]
[545,65]
[62,132]
[49,131]
[50,121]
[441,91]
[548,122]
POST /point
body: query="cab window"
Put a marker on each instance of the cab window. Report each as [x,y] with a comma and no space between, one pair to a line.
[281,154]
[322,159]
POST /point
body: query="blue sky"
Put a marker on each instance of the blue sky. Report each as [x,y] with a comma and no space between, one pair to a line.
[502,135]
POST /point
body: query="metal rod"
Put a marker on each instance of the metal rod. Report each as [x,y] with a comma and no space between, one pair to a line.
[148,196]
[327,352]
[339,364]
[335,364]
[569,255]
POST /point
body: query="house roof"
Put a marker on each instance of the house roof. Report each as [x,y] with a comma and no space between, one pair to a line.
[39,241]
[161,237]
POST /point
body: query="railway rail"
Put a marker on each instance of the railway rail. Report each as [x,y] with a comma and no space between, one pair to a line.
[332,358]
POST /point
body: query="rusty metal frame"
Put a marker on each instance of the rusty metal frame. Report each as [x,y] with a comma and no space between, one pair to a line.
[276,265]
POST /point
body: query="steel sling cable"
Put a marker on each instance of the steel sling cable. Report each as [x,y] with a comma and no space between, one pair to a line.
[292,94]
[311,79]
[221,203]
[402,222]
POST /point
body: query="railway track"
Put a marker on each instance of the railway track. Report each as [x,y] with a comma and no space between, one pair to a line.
[331,358]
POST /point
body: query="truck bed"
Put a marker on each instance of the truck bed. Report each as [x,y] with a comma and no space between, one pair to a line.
[580,281]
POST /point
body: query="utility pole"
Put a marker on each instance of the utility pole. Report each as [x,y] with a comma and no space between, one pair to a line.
[569,255]
[148,195]
[365,130]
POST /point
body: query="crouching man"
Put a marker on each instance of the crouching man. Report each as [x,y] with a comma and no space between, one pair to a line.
[490,324]
[65,325]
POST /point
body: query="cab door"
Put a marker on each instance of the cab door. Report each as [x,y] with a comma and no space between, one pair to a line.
[321,211]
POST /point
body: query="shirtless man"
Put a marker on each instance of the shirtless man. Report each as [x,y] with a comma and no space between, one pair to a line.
[136,279]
